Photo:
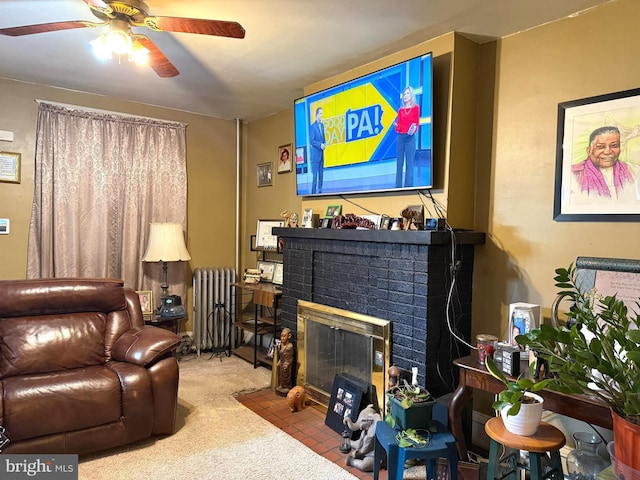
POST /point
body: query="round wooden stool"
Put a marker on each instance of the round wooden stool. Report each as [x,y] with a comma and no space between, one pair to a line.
[548,439]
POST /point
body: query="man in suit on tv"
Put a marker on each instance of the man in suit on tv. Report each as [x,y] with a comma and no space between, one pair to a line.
[318,144]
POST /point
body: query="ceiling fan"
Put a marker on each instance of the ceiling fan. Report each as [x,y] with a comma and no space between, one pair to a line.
[121,15]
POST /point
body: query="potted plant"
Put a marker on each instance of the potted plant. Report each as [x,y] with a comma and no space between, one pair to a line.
[519,405]
[597,353]
[409,406]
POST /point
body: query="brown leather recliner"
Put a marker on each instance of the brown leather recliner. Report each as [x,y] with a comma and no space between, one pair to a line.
[79,370]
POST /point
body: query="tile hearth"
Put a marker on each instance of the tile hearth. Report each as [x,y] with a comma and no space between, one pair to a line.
[306,426]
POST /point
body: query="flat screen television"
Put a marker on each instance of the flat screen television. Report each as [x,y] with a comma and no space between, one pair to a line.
[361,142]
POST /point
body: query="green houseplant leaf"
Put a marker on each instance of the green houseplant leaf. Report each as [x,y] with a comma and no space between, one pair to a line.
[598,352]
[514,394]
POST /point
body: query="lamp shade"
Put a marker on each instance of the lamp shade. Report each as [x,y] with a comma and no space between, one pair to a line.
[166,244]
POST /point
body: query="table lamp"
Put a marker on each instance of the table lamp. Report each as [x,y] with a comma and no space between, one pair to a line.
[166,244]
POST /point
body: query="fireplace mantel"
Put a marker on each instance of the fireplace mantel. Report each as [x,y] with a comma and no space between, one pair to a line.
[400,276]
[413,237]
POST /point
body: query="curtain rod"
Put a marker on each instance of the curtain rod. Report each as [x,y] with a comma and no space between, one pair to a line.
[107,112]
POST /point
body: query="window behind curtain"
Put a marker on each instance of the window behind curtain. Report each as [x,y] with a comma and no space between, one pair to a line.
[100,179]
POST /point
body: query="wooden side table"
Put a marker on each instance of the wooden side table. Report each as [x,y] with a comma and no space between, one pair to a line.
[170,323]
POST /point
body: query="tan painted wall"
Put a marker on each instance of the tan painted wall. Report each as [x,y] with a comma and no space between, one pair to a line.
[263,137]
[535,71]
[211,159]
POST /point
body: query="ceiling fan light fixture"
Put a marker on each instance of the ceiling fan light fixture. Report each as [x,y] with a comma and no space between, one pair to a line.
[119,37]
[139,53]
[100,48]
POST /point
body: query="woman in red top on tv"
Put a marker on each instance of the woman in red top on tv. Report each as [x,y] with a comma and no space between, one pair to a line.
[406,124]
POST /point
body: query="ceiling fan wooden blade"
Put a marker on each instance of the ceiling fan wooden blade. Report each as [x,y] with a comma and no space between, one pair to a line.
[220,28]
[47,27]
[157,60]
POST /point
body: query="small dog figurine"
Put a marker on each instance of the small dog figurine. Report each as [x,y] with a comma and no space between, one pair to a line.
[297,399]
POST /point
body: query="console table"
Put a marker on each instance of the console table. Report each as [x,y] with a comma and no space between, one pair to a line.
[473,375]
[264,321]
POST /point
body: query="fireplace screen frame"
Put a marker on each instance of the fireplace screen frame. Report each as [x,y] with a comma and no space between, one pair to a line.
[377,329]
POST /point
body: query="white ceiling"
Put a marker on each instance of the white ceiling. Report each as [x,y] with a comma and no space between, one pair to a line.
[289,44]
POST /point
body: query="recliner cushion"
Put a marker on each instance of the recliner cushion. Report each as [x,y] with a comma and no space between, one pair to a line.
[45,404]
[50,343]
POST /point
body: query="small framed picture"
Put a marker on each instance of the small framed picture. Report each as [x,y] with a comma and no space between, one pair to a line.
[307,218]
[278,272]
[326,222]
[284,158]
[333,211]
[418,214]
[146,301]
[265,174]
[9,167]
[385,223]
[265,239]
[524,317]
[375,219]
[267,269]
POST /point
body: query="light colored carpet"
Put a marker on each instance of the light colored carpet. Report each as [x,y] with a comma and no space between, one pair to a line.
[217,437]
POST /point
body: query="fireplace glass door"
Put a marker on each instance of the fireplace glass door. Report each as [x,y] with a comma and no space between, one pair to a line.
[332,341]
[336,351]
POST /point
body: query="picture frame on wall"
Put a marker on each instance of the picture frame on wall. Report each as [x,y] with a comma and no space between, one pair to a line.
[284,158]
[265,174]
[10,167]
[598,139]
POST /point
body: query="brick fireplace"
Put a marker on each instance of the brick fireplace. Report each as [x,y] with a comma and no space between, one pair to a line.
[402,277]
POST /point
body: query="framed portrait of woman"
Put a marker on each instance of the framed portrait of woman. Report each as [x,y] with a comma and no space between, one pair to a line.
[146,301]
[284,158]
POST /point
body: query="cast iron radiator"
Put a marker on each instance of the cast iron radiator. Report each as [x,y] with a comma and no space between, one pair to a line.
[213,308]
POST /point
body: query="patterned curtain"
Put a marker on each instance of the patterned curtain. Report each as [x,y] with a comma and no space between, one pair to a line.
[100,179]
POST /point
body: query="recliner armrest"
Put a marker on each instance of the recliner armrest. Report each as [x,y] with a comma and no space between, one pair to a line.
[145,345]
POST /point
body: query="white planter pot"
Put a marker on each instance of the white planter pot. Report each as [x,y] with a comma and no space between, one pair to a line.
[528,418]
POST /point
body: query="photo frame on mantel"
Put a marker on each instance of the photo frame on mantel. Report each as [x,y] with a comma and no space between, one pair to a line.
[598,138]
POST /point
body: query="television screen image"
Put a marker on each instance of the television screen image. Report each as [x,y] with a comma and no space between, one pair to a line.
[371,134]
